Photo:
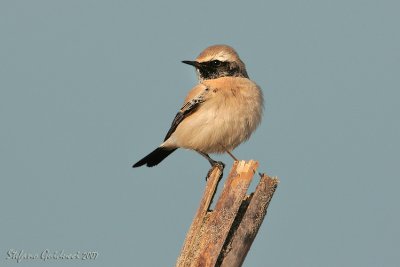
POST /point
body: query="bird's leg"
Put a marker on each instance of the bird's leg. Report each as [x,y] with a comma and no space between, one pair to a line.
[235,159]
[219,164]
[212,162]
[232,156]
[229,153]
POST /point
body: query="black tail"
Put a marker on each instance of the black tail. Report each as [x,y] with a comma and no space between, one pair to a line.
[155,157]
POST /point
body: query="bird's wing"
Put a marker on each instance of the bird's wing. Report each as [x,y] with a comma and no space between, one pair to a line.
[191,105]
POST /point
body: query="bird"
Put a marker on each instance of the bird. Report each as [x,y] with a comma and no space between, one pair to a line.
[218,114]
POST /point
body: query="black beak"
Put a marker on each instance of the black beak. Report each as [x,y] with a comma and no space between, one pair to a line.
[193,63]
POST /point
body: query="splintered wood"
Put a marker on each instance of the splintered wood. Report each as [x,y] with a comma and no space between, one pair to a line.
[223,236]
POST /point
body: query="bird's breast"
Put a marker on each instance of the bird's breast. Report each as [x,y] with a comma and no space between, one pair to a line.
[231,112]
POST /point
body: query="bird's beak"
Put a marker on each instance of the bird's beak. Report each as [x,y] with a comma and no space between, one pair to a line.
[193,63]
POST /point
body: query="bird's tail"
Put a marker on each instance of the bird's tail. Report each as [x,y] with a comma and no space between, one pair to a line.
[155,157]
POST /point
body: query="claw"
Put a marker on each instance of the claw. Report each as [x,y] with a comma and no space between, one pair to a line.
[220,165]
[209,173]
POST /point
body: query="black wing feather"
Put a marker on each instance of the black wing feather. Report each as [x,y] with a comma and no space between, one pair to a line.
[184,112]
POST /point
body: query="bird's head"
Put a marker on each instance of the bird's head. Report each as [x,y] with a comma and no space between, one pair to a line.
[218,61]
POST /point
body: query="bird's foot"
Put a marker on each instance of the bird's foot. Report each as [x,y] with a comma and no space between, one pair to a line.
[219,164]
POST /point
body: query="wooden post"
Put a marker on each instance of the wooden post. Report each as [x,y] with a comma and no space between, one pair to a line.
[223,236]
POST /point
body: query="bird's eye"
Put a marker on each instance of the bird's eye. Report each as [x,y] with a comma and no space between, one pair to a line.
[216,63]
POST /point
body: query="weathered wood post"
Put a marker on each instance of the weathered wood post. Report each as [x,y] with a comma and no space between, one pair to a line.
[223,236]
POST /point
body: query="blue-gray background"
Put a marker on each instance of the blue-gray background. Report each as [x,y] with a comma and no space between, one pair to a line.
[89,87]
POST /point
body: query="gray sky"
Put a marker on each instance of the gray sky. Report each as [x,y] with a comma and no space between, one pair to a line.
[78,106]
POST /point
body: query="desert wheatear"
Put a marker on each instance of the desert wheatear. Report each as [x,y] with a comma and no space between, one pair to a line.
[218,114]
